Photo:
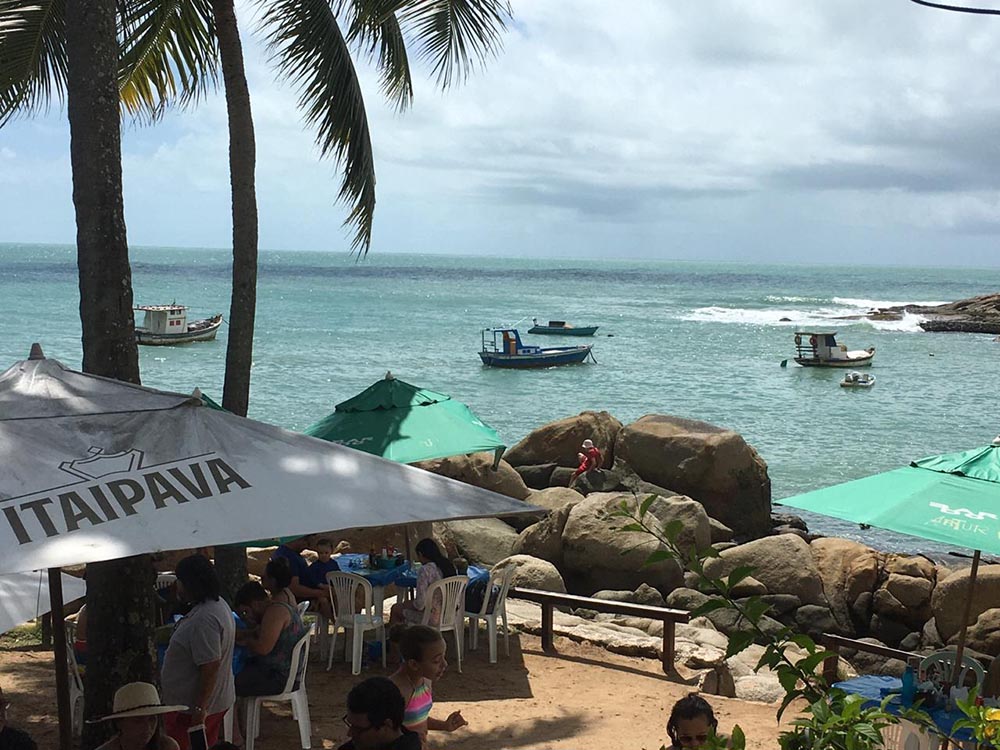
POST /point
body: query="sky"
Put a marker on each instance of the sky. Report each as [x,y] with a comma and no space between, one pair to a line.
[747,130]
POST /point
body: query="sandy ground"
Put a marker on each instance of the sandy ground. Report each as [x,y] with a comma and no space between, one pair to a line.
[586,699]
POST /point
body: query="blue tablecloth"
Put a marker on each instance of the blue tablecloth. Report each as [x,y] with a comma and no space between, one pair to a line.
[358,563]
[870,687]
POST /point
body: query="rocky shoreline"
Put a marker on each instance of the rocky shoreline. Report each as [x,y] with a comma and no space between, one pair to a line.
[717,486]
[974,315]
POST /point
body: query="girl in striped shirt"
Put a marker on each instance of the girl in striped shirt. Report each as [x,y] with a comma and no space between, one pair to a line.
[423,652]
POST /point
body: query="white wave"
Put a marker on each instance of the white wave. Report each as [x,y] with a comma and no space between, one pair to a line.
[868,304]
[845,312]
[910,323]
[782,298]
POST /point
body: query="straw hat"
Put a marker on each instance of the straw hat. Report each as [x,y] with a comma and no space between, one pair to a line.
[588,444]
[138,699]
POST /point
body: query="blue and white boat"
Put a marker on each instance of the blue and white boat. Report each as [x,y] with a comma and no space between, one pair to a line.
[502,347]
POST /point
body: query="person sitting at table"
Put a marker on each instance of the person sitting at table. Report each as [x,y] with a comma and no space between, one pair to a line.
[433,567]
[324,561]
[277,579]
[302,586]
[275,629]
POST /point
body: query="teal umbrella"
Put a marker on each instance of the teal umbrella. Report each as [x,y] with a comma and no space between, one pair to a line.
[953,498]
[404,423]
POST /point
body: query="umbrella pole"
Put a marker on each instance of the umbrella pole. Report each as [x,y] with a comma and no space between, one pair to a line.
[62,660]
[965,619]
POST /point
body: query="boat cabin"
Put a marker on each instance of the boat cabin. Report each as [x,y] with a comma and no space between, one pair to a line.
[506,341]
[819,345]
[164,318]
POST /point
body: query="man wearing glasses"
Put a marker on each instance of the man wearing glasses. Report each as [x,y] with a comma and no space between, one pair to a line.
[375,718]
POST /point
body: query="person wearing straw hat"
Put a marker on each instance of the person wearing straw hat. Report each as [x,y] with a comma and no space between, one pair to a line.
[136,713]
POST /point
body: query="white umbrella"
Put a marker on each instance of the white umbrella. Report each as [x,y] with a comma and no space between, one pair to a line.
[97,469]
[25,596]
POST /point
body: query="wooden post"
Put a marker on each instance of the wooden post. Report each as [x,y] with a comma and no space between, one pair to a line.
[62,661]
[831,663]
[548,646]
[668,646]
[965,618]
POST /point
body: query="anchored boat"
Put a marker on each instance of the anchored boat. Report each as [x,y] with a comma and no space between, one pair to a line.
[561,328]
[857,380]
[167,324]
[820,349]
[502,347]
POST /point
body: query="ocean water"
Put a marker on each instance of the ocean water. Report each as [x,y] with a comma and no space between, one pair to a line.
[698,340]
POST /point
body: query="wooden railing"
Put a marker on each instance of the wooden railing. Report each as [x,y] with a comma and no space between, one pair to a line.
[550,599]
[836,642]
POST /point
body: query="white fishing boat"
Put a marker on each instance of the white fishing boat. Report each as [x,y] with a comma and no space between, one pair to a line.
[167,324]
[820,349]
[857,380]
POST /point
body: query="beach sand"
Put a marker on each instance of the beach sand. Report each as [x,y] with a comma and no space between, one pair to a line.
[586,699]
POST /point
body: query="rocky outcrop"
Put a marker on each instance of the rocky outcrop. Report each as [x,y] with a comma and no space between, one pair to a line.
[544,539]
[482,540]
[553,498]
[712,465]
[559,442]
[477,469]
[847,570]
[949,597]
[596,555]
[973,315]
[783,563]
[532,573]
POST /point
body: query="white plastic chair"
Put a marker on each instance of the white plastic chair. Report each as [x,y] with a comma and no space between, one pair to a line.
[296,695]
[165,580]
[75,680]
[452,595]
[942,663]
[907,736]
[343,597]
[302,608]
[500,579]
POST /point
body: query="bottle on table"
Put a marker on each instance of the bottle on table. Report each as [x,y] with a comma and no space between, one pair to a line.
[909,690]
[372,562]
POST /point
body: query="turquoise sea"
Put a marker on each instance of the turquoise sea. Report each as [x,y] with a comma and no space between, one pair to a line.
[699,340]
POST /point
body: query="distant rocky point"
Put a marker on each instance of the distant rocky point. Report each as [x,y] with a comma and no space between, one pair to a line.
[973,315]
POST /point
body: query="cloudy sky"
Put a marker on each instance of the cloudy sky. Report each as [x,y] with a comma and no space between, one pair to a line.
[774,130]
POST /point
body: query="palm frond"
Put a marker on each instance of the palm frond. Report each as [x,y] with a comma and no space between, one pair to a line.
[308,47]
[454,36]
[32,55]
[375,29]
[168,54]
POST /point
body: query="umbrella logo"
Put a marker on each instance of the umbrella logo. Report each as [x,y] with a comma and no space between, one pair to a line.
[114,486]
[949,511]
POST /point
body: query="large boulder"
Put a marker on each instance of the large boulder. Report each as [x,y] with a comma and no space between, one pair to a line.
[559,442]
[847,569]
[597,555]
[713,465]
[984,634]
[483,540]
[553,498]
[782,563]
[532,573]
[477,469]
[949,597]
[544,539]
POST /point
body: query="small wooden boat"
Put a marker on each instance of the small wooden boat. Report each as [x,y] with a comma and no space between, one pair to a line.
[561,328]
[857,380]
[502,347]
[163,325]
[820,349]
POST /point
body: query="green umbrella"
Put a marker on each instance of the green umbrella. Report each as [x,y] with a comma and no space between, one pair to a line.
[953,498]
[403,423]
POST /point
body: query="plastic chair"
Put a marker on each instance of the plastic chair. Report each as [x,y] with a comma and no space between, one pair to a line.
[302,608]
[344,589]
[943,663]
[502,580]
[165,580]
[452,593]
[294,692]
[75,680]
[907,736]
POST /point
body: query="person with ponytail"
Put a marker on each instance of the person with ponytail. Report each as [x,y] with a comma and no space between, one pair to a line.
[433,567]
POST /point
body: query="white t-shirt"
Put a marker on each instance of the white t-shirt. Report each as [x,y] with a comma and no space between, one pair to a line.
[207,634]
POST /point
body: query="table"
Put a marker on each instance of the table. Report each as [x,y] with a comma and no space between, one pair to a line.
[870,688]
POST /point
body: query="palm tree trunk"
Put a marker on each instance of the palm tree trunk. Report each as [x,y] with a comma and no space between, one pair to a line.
[118,645]
[231,561]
